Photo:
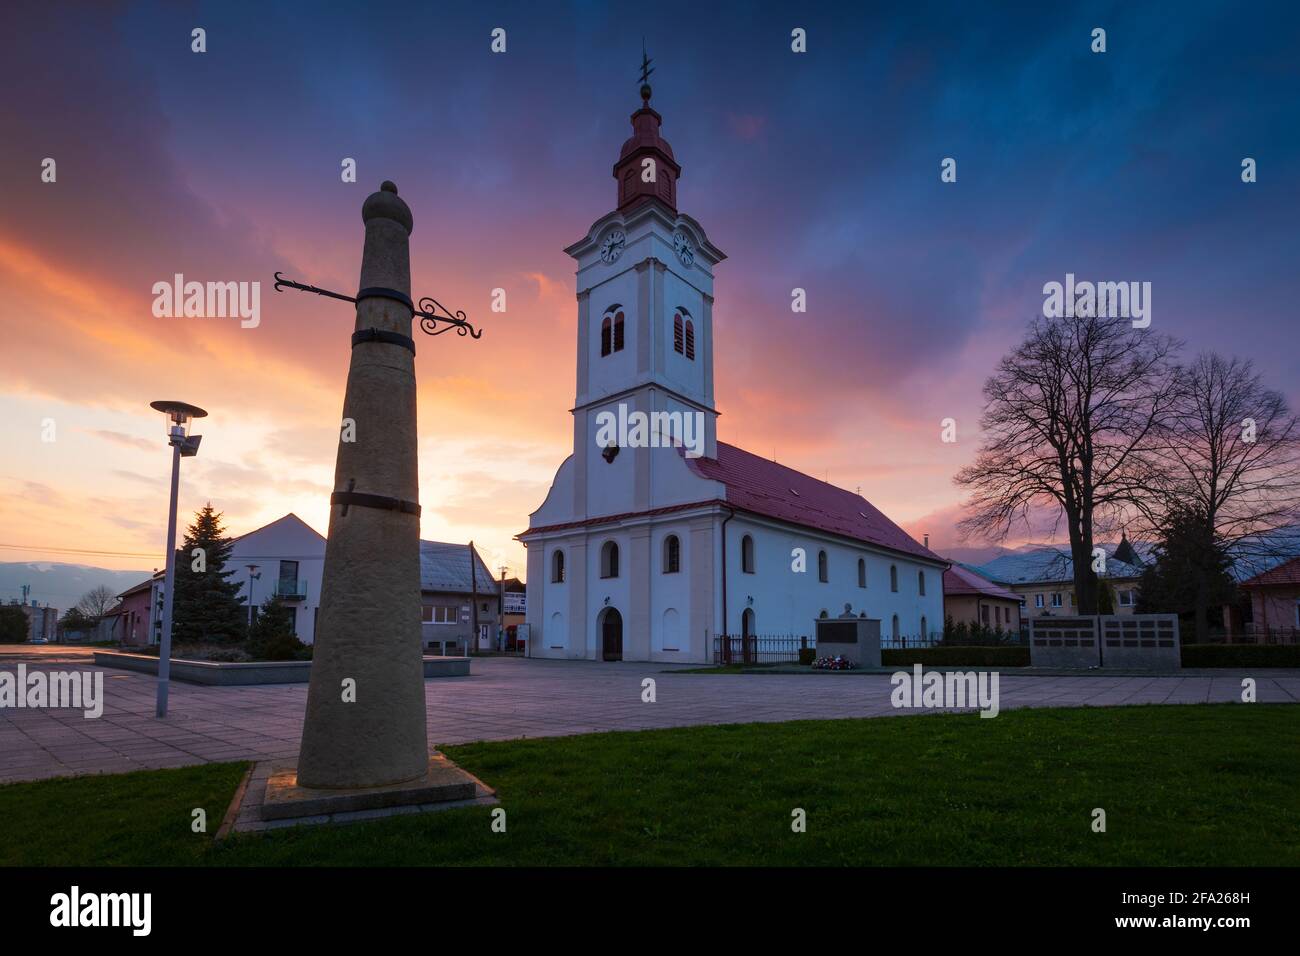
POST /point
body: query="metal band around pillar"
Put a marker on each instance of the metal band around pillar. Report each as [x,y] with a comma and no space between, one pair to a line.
[382,335]
[381,502]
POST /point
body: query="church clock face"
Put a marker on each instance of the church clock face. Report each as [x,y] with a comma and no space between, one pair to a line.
[682,246]
[612,247]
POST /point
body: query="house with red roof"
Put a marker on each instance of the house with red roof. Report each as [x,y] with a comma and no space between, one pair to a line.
[656,537]
[974,599]
[1275,598]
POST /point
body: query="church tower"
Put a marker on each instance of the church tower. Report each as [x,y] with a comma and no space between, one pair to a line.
[645,325]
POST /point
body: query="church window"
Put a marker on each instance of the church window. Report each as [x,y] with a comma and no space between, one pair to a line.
[920,582]
[690,340]
[893,577]
[678,339]
[611,330]
[823,572]
[894,628]
[747,554]
[862,572]
[605,340]
[925,632]
[672,554]
[618,332]
[609,560]
[557,567]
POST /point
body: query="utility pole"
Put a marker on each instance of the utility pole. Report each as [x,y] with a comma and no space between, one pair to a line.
[473,590]
[501,609]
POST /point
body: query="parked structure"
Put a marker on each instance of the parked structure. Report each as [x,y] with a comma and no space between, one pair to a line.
[973,599]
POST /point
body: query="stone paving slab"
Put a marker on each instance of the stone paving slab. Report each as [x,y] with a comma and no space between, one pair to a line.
[507,698]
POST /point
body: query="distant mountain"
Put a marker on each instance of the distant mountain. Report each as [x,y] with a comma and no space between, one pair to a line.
[61,585]
[974,555]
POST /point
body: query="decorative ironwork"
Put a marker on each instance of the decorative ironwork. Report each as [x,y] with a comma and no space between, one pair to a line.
[431,323]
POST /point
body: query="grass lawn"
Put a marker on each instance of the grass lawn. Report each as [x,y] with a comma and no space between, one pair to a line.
[1181,785]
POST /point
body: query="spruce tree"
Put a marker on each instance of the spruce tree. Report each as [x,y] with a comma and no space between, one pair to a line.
[1191,574]
[206,605]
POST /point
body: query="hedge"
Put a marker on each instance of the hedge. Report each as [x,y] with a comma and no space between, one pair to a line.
[968,656]
[1241,655]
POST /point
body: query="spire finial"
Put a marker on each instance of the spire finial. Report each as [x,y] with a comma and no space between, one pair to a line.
[646,70]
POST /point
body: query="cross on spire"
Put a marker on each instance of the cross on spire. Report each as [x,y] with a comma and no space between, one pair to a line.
[646,70]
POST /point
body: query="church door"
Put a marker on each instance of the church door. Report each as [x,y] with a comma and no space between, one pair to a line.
[611,630]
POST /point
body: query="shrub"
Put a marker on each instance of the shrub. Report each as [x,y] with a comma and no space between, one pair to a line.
[13,624]
[1241,655]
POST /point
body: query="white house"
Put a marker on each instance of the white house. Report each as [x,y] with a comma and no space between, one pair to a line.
[646,553]
[287,558]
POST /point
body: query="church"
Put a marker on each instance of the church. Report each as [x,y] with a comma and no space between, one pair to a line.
[649,546]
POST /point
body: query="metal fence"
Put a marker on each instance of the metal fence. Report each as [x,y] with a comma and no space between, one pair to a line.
[785,648]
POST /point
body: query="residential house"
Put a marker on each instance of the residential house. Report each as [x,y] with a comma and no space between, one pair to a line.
[971,598]
[457,606]
[1043,578]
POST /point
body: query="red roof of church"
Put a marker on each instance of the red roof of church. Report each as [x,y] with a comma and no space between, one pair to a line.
[767,488]
[958,580]
[1283,574]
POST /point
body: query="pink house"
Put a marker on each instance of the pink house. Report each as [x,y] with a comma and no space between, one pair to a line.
[137,612]
[1275,598]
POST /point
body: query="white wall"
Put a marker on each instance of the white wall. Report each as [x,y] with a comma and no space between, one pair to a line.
[288,539]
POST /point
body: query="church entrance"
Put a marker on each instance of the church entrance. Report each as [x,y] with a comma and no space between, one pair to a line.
[611,632]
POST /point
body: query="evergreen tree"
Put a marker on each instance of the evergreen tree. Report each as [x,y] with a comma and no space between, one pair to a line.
[1190,573]
[271,637]
[206,606]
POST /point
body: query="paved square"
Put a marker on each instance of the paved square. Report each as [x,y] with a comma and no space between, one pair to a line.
[506,698]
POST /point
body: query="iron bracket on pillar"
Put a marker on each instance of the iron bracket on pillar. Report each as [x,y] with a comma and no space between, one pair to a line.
[430,321]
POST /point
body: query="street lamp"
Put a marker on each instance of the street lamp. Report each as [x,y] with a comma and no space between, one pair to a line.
[179,415]
[253,575]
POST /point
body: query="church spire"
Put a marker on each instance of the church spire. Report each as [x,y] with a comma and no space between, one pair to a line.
[646,169]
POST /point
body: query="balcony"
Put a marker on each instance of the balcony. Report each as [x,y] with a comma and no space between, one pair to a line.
[291,590]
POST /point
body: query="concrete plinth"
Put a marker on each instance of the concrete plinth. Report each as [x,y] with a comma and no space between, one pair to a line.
[442,781]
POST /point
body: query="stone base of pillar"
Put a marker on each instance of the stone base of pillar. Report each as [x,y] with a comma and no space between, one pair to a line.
[442,782]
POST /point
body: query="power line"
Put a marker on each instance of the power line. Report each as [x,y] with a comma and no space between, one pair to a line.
[111,554]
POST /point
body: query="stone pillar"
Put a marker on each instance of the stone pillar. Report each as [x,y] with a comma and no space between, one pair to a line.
[369,627]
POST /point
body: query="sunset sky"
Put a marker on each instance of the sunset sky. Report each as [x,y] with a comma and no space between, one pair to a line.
[816,170]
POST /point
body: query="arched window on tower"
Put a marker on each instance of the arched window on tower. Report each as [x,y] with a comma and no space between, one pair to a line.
[672,554]
[557,567]
[618,331]
[690,340]
[606,340]
[747,554]
[611,330]
[678,340]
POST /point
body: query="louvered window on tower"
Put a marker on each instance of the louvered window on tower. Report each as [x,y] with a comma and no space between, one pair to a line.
[618,332]
[690,340]
[677,334]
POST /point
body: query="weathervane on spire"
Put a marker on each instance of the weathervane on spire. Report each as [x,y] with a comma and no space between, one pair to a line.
[646,70]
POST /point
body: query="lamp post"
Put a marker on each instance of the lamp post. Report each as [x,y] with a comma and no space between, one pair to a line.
[253,575]
[179,415]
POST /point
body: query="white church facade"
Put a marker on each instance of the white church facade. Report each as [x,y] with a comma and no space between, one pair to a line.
[646,549]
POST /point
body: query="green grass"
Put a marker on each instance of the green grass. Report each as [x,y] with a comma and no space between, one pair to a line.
[1181,785]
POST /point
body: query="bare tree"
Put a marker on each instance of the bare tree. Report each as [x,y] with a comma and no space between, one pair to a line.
[1231,450]
[1069,424]
[97,602]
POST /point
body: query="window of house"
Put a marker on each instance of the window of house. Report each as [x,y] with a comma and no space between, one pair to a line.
[557,567]
[1126,598]
[920,582]
[984,615]
[1071,599]
[997,615]
[1023,604]
[1038,600]
[672,554]
[893,577]
[862,572]
[1056,599]
[609,560]
[823,572]
[439,614]
[747,554]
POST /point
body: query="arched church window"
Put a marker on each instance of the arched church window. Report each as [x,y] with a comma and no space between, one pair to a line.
[609,560]
[862,572]
[678,340]
[747,554]
[690,340]
[823,571]
[894,629]
[672,554]
[925,631]
[606,341]
[893,577]
[557,567]
[920,582]
[618,331]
